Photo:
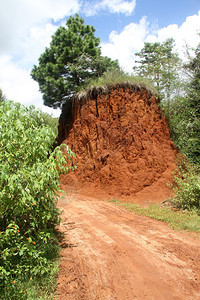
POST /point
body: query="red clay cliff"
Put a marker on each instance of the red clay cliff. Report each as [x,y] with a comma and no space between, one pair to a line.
[122,143]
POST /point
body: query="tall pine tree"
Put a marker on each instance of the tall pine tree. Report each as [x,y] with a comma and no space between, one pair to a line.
[73,57]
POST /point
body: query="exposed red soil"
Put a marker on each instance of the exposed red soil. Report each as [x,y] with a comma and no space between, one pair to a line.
[122,145]
[110,253]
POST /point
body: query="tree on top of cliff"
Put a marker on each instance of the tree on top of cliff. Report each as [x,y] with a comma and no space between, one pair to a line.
[73,57]
[159,63]
[193,66]
[186,112]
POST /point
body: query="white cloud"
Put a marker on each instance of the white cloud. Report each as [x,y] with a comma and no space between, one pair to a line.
[125,44]
[17,85]
[187,33]
[118,6]
[113,6]
[17,17]
[26,31]
[14,79]
[34,44]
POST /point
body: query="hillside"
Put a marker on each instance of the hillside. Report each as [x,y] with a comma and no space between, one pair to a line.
[122,143]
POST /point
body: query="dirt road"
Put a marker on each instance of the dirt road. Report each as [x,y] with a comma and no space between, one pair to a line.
[110,253]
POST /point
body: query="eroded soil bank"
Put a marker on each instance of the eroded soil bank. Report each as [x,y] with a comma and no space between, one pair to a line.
[110,253]
[122,144]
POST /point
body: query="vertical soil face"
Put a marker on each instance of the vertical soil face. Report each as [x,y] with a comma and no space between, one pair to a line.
[122,144]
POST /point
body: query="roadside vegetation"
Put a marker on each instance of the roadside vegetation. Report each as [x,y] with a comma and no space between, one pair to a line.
[177,219]
[29,183]
[186,186]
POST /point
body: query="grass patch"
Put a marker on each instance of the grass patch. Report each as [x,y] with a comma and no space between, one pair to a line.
[179,220]
[115,77]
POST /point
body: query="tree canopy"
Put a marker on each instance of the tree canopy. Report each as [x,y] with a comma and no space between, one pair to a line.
[186,112]
[159,63]
[73,57]
[194,88]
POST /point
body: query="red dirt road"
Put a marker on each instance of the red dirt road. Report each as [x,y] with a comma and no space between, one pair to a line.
[110,253]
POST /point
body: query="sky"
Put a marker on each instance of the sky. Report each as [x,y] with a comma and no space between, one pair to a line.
[123,27]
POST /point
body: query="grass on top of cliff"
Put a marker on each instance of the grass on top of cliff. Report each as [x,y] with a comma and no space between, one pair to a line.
[115,77]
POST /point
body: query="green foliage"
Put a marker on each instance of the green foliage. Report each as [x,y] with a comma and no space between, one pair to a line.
[74,56]
[159,63]
[115,76]
[180,220]
[185,128]
[187,187]
[29,181]
[185,113]
[193,68]
[193,89]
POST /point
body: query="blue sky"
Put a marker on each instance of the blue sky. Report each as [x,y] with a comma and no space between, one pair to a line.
[122,25]
[159,13]
[166,12]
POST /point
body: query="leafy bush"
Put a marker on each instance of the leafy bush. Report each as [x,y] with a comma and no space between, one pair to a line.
[187,187]
[29,181]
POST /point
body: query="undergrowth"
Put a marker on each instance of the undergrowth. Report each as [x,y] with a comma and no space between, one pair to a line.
[187,186]
[41,286]
[180,220]
[29,186]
